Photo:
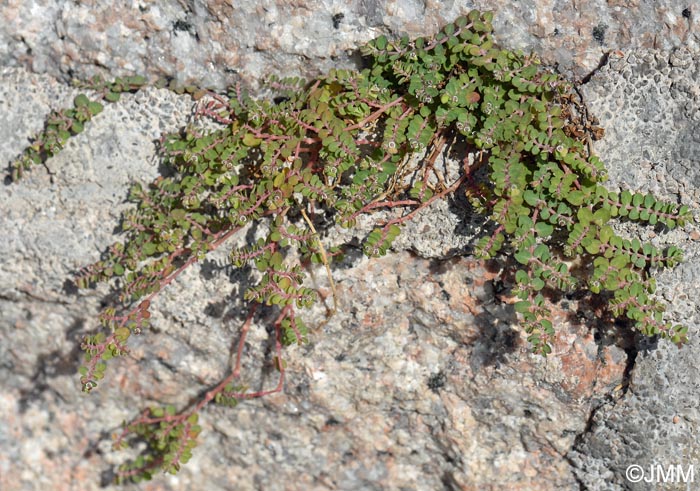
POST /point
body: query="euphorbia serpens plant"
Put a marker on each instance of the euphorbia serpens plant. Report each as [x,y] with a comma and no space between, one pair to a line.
[344,145]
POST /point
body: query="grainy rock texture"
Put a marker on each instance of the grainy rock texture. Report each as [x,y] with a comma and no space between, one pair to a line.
[215,43]
[422,380]
[650,102]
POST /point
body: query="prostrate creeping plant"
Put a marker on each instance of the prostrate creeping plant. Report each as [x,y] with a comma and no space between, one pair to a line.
[341,146]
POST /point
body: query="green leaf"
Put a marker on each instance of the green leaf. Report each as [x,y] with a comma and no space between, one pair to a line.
[523,257]
[605,233]
[544,229]
[602,216]
[522,306]
[585,216]
[593,247]
[626,197]
[537,284]
[112,96]
[541,252]
[261,264]
[95,108]
[136,80]
[249,140]
[575,197]
[619,262]
[276,260]
[81,100]
[148,249]
[531,198]
[122,334]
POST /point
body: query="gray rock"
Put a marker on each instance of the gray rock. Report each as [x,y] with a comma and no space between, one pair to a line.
[213,44]
[650,104]
[422,379]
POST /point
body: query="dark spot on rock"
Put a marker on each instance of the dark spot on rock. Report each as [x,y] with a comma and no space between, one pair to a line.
[686,13]
[444,293]
[499,287]
[303,388]
[216,309]
[183,25]
[437,381]
[337,18]
[599,33]
[70,288]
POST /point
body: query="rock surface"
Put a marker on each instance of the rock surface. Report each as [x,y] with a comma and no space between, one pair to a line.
[212,43]
[650,102]
[422,380]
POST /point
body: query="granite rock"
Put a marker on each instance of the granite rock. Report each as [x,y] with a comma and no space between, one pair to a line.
[214,44]
[650,102]
[422,380]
